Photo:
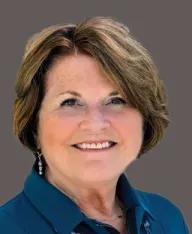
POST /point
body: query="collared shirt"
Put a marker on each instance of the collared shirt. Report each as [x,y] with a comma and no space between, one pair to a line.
[42,208]
[54,205]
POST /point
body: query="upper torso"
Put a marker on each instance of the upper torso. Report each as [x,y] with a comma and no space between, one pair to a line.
[41,208]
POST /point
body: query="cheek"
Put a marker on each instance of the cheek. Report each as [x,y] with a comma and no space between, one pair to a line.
[54,130]
[129,127]
[132,129]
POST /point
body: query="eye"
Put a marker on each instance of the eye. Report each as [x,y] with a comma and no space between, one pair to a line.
[73,102]
[69,102]
[117,101]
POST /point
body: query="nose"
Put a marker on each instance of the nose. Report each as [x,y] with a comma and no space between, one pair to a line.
[94,120]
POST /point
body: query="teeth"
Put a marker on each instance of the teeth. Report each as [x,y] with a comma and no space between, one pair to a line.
[94,145]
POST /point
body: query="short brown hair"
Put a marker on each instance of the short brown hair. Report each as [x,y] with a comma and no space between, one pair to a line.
[123,60]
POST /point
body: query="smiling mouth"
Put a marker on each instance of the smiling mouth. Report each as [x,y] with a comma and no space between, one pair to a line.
[95,150]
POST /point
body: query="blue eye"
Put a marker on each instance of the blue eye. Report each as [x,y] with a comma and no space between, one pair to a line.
[69,102]
[117,101]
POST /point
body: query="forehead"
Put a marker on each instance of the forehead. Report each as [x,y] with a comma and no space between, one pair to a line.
[76,70]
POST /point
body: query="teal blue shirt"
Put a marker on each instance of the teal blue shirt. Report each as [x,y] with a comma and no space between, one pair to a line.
[40,208]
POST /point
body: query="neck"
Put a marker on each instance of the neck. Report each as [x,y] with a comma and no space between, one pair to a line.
[95,201]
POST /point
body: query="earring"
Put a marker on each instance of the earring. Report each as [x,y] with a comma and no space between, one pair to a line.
[40,163]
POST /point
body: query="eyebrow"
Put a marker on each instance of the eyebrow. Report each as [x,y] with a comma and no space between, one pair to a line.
[113,93]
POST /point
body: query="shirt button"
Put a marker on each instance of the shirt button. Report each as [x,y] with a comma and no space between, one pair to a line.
[56,230]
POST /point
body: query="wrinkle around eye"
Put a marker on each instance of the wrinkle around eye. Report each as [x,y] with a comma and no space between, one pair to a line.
[119,100]
[74,100]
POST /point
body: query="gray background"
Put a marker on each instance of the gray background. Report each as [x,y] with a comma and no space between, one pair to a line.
[165,30]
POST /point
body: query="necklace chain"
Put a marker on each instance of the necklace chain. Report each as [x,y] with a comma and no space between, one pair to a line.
[119,216]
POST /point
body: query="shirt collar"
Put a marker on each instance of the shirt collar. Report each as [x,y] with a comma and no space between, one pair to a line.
[132,200]
[63,214]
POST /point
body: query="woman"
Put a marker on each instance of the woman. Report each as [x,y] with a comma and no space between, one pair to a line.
[89,102]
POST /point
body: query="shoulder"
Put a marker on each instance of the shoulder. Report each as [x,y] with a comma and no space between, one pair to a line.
[8,222]
[158,203]
[20,216]
[13,205]
[163,209]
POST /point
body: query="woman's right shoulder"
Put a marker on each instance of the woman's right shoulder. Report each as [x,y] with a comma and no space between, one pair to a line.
[8,222]
[20,216]
[8,225]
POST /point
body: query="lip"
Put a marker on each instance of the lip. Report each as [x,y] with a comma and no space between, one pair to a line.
[96,141]
[96,150]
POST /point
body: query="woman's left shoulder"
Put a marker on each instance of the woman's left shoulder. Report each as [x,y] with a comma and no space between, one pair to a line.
[157,201]
[164,209]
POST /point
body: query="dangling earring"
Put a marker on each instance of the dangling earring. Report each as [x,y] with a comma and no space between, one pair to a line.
[40,163]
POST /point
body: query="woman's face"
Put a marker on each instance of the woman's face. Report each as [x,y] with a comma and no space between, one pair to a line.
[66,119]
